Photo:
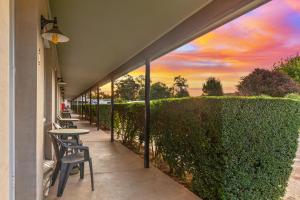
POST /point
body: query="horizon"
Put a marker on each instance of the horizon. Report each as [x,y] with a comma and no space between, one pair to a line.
[254,40]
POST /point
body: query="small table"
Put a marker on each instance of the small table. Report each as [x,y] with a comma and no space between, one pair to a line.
[67,122]
[69,132]
[68,119]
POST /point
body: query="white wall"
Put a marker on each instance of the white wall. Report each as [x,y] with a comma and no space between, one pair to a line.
[50,97]
[29,101]
[4,100]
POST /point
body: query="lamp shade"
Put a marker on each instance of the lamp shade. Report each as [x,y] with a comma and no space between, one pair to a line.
[55,35]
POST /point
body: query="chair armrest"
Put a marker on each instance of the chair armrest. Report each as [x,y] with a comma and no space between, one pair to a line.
[70,142]
[85,150]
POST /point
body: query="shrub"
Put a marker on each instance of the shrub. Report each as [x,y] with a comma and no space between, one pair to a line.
[265,82]
[233,147]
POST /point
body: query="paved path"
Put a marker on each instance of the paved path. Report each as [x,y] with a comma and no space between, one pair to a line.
[293,189]
[119,175]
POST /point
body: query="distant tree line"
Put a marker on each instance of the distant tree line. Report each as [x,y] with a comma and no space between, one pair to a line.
[130,88]
[282,79]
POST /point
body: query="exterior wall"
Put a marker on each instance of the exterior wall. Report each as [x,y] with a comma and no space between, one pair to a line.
[50,65]
[4,100]
[29,99]
[40,118]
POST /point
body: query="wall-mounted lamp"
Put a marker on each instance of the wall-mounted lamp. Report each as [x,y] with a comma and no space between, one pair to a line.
[54,35]
[60,81]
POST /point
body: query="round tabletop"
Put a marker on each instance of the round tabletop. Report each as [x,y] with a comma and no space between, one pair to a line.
[69,119]
[69,131]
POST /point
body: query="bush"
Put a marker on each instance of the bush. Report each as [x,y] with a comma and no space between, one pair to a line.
[232,147]
[104,111]
[235,148]
[265,82]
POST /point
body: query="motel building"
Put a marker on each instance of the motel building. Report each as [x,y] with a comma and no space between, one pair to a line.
[85,44]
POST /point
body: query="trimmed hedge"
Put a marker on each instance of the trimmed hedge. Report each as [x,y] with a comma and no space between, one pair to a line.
[104,111]
[232,147]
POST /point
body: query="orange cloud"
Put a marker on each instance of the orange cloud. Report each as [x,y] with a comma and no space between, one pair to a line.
[257,39]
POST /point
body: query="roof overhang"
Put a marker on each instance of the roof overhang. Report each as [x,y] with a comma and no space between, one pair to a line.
[112,38]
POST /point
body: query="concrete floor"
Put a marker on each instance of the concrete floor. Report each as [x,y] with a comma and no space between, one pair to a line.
[119,175]
[293,189]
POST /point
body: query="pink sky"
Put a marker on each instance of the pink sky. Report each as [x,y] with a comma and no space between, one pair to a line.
[256,40]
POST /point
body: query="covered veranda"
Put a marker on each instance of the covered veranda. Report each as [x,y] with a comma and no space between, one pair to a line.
[107,40]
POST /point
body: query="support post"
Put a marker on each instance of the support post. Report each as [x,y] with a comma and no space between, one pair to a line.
[81,109]
[98,109]
[90,107]
[85,115]
[77,106]
[112,111]
[147,114]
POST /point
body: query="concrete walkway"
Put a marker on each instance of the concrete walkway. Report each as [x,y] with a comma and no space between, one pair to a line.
[119,175]
[293,189]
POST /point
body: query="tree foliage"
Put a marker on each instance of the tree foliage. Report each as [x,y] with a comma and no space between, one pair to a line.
[266,82]
[160,90]
[180,87]
[102,95]
[212,87]
[140,80]
[127,88]
[290,66]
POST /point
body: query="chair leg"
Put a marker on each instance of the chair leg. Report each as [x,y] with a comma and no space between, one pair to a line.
[64,175]
[92,174]
[81,166]
[55,173]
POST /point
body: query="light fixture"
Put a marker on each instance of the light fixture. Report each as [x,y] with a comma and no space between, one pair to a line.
[60,81]
[54,35]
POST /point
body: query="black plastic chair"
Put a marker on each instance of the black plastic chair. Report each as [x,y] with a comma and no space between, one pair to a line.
[66,115]
[65,163]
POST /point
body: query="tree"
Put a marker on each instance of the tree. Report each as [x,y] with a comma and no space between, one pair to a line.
[212,87]
[140,80]
[102,95]
[266,82]
[290,66]
[159,90]
[180,87]
[127,88]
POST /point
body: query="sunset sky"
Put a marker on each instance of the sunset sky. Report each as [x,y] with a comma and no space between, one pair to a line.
[256,40]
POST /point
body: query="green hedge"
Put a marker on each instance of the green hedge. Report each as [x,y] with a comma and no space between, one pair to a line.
[104,111]
[232,147]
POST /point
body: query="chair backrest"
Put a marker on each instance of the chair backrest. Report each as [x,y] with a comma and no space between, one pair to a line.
[66,115]
[59,147]
[56,125]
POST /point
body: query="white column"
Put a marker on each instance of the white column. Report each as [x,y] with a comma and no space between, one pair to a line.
[5,105]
